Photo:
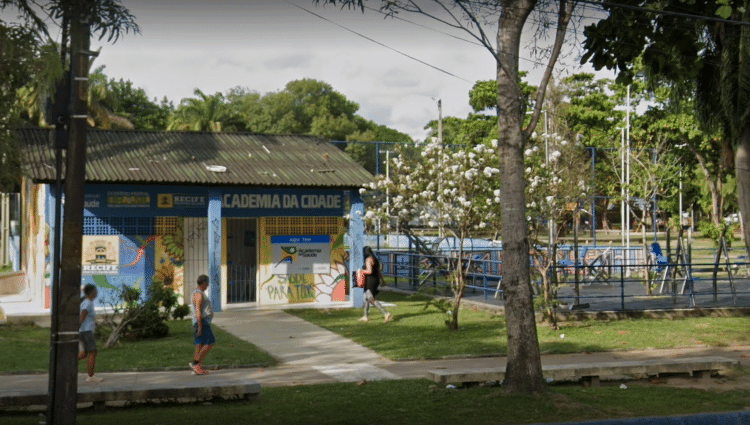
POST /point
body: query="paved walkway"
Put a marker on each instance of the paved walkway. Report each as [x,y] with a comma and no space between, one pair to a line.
[312,355]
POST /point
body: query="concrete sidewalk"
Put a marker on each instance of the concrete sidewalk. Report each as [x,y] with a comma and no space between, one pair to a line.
[313,355]
[301,345]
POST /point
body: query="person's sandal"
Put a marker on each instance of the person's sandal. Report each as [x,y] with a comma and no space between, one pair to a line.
[388,317]
[363,319]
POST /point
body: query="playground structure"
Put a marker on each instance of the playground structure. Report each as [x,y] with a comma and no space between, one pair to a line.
[587,276]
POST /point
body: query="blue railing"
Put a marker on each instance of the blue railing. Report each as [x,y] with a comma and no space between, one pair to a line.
[601,280]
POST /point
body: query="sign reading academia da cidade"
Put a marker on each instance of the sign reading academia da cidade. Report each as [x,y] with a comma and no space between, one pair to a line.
[301,254]
[143,201]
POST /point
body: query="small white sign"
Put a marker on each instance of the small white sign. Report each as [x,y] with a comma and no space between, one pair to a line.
[301,255]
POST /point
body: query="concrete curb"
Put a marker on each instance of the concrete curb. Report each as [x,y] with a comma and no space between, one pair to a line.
[567,315]
[149,370]
[729,418]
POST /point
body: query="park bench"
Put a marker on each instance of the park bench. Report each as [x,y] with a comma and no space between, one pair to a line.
[592,373]
[136,387]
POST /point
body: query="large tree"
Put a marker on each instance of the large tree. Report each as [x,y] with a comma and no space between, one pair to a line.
[699,48]
[507,18]
[313,107]
[19,67]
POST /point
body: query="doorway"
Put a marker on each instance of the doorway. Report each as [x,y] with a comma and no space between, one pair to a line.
[195,234]
[241,260]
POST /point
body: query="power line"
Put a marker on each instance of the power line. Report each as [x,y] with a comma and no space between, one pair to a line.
[380,44]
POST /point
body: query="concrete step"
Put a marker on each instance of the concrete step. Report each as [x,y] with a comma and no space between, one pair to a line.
[592,372]
[31,390]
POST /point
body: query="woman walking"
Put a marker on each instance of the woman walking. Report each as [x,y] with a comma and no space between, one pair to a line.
[372,271]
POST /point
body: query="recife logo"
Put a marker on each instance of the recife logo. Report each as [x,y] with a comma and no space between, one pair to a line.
[288,254]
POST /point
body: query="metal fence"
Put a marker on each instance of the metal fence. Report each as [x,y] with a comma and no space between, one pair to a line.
[602,279]
[240,284]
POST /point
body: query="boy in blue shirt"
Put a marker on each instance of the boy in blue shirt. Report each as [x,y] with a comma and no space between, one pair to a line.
[87,320]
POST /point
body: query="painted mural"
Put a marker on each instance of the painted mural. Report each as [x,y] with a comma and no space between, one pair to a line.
[133,253]
[301,288]
[142,259]
[170,256]
[35,249]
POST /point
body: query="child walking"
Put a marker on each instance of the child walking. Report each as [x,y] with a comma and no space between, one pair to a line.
[87,323]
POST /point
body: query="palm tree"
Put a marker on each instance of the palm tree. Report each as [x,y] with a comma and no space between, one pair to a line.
[99,98]
[47,70]
[203,113]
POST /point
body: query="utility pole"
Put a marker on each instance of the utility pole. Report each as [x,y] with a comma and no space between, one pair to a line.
[64,373]
[441,226]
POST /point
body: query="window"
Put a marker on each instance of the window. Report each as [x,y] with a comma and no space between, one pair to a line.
[304,225]
[118,226]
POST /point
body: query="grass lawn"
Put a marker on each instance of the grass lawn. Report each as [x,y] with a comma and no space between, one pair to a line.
[412,402]
[419,333]
[27,349]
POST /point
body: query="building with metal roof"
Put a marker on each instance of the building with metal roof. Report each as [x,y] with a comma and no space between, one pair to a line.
[199,158]
[262,215]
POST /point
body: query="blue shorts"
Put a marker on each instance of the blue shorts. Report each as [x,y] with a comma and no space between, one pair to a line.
[207,335]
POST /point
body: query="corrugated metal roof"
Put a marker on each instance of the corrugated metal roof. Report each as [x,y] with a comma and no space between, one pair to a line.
[128,156]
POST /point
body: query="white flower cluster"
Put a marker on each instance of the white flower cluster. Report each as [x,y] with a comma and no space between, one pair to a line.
[456,186]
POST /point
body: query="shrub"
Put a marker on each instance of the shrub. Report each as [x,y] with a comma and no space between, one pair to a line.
[142,319]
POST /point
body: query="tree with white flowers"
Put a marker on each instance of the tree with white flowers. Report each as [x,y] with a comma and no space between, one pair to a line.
[453,186]
[554,185]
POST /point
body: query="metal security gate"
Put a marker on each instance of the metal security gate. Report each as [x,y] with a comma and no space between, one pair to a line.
[195,233]
[241,260]
[240,284]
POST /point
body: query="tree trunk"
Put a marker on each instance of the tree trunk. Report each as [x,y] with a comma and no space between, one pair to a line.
[524,369]
[605,219]
[459,284]
[742,171]
[714,186]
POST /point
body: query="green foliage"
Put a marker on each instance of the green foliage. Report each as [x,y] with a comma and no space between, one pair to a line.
[692,57]
[204,113]
[311,107]
[713,232]
[20,48]
[480,126]
[145,319]
[132,103]
[483,96]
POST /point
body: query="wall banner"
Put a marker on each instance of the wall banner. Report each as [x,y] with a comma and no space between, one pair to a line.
[101,255]
[300,255]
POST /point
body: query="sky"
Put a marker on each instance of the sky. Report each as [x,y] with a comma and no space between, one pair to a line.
[263,44]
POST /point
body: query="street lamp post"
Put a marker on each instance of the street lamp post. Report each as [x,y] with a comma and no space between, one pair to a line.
[622,186]
[627,179]
[550,223]
[387,193]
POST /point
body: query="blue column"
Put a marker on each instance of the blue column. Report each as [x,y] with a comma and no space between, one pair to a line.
[52,259]
[214,248]
[356,236]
